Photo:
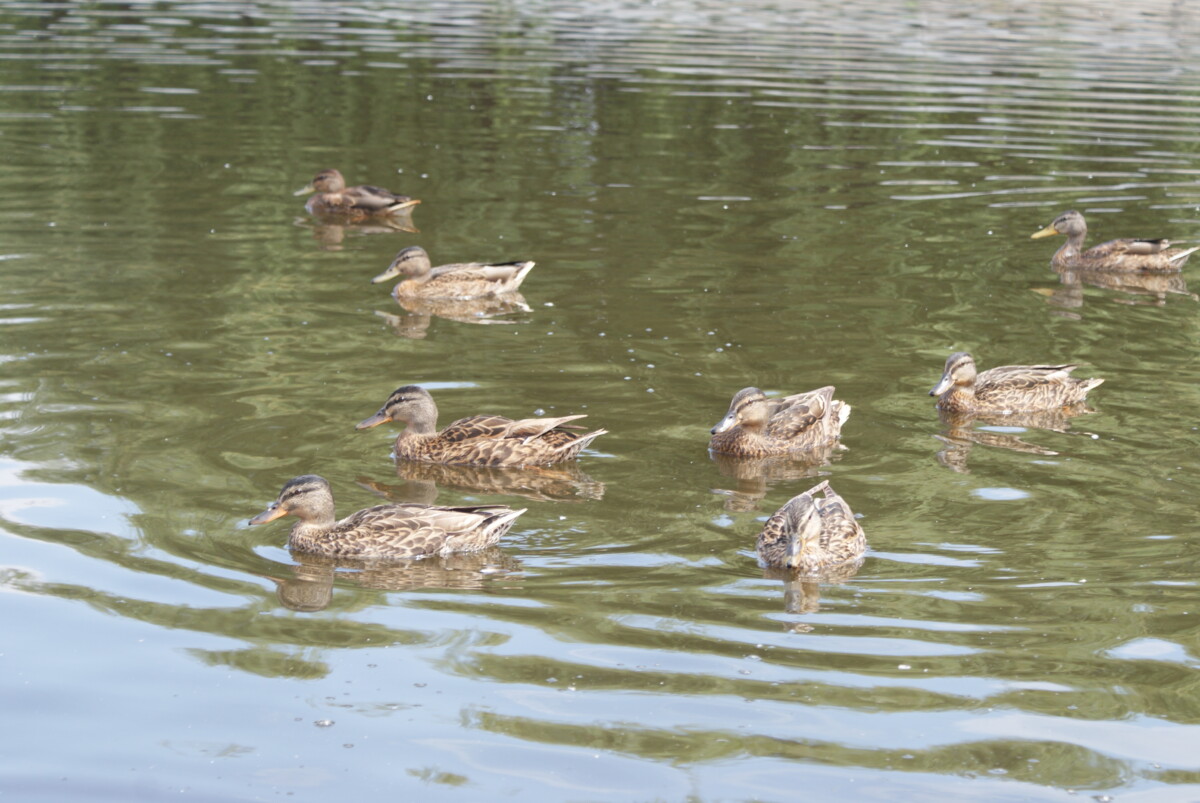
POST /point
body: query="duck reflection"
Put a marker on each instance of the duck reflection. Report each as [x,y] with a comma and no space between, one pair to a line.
[802,592]
[422,311]
[959,433]
[330,235]
[1144,288]
[561,482]
[310,588]
[755,476]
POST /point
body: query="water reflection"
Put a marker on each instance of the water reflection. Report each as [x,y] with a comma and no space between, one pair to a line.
[1145,288]
[802,592]
[331,236]
[897,139]
[960,435]
[509,308]
[310,588]
[560,482]
[754,477]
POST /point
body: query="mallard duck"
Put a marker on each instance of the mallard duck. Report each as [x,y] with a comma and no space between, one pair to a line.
[387,531]
[1128,254]
[811,535]
[334,199]
[461,281]
[481,440]
[756,426]
[1009,388]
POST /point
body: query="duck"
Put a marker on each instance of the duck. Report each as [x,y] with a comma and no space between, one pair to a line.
[409,530]
[333,199]
[479,440]
[459,281]
[1008,388]
[809,535]
[1122,255]
[756,426]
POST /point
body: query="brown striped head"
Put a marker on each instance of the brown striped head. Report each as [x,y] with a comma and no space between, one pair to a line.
[959,371]
[308,498]
[804,521]
[412,261]
[411,404]
[325,181]
[749,408]
[1070,223]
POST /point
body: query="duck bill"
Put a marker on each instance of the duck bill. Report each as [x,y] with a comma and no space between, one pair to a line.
[944,385]
[1049,231]
[379,418]
[391,272]
[727,423]
[305,190]
[270,514]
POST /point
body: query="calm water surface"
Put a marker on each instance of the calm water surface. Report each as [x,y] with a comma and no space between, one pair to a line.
[781,195]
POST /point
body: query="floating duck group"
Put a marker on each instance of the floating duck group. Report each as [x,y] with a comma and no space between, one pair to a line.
[813,533]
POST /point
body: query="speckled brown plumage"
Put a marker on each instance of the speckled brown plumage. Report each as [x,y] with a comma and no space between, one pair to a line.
[481,440]
[756,426]
[1008,388]
[333,199]
[386,531]
[459,281]
[1119,255]
[811,535]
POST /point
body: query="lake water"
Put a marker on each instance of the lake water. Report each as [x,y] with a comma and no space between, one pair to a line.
[784,195]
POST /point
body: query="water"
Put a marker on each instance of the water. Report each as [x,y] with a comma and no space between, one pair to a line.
[716,196]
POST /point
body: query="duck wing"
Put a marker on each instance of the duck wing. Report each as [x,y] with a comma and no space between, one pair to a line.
[1021,377]
[413,529]
[793,415]
[373,199]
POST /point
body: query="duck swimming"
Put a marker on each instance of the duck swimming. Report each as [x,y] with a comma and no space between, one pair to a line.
[810,535]
[480,440]
[387,531]
[458,281]
[1008,388]
[756,426]
[1126,255]
[333,199]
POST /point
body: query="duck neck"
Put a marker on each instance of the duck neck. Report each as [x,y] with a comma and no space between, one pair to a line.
[421,424]
[958,398]
[751,433]
[1068,254]
[306,535]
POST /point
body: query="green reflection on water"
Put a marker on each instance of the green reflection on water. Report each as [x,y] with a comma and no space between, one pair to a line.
[181,338]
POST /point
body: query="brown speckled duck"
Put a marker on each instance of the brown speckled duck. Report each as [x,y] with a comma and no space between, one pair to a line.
[386,531]
[459,281]
[333,199]
[811,535]
[1126,255]
[756,426]
[1009,388]
[481,440]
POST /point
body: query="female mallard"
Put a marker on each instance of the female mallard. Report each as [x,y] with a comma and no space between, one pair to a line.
[1148,255]
[756,426]
[386,531]
[461,281]
[334,199]
[1009,388]
[811,535]
[481,440]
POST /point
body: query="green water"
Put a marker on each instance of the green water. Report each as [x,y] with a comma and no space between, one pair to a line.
[716,197]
